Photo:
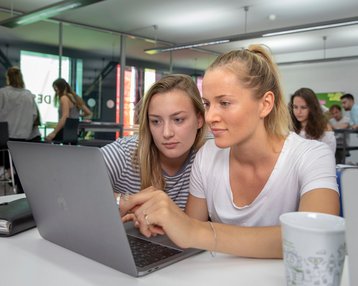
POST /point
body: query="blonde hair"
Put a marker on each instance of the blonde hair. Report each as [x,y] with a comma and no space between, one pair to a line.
[255,69]
[14,77]
[147,154]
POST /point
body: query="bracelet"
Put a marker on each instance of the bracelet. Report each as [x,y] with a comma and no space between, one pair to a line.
[213,254]
[118,199]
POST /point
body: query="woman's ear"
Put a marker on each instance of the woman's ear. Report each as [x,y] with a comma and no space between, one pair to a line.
[267,103]
[200,120]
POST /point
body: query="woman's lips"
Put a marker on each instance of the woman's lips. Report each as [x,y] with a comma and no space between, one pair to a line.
[170,145]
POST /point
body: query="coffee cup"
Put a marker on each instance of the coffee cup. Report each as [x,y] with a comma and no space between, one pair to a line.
[313,248]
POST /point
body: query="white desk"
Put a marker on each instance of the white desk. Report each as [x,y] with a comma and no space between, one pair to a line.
[27,259]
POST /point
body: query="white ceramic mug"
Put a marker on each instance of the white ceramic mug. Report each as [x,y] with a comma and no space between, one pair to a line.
[313,248]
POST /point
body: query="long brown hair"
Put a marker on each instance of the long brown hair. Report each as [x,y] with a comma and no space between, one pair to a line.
[316,122]
[147,154]
[255,69]
[64,89]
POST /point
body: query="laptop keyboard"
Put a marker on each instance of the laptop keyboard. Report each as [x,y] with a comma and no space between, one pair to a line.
[146,253]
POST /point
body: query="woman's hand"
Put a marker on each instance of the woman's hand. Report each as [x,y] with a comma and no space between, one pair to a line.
[50,137]
[126,208]
[153,212]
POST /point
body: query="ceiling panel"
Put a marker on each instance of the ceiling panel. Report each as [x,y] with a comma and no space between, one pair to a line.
[98,27]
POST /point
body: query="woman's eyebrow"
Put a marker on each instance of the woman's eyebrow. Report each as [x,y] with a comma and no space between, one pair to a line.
[216,97]
[173,114]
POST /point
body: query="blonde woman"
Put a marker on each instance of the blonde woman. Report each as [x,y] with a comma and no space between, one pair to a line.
[171,131]
[252,172]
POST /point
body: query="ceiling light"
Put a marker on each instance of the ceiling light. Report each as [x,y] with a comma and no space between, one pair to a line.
[258,34]
[312,28]
[182,47]
[45,12]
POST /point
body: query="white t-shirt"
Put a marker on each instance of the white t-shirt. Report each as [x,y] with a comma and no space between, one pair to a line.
[339,136]
[328,137]
[302,166]
[18,108]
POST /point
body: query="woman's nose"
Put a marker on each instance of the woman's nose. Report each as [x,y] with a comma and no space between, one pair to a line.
[168,130]
[210,115]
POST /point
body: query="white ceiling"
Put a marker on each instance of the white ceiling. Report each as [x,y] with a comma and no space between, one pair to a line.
[186,21]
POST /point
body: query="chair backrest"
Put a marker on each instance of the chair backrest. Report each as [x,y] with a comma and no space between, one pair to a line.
[349,176]
[4,134]
[70,131]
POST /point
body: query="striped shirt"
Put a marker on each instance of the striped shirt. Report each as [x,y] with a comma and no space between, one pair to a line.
[125,177]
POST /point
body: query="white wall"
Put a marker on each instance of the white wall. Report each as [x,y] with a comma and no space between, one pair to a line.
[323,77]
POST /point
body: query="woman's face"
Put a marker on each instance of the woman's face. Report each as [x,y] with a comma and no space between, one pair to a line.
[300,110]
[232,113]
[55,89]
[173,123]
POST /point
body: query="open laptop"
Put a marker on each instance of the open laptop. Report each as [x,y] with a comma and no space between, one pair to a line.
[349,189]
[72,201]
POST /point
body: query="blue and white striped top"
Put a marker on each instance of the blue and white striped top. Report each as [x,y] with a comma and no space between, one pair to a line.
[125,176]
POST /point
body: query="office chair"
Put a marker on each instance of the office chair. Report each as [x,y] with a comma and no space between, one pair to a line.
[4,138]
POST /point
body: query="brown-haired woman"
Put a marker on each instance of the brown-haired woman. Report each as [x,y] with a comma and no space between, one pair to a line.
[308,118]
[71,106]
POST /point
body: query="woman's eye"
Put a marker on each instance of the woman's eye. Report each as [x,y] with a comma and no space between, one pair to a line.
[206,105]
[224,103]
[179,120]
[154,122]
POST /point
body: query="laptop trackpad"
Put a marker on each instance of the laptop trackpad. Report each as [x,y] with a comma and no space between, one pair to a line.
[159,239]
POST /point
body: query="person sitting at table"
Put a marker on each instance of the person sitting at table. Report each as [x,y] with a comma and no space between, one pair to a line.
[171,130]
[253,171]
[348,104]
[308,118]
[338,121]
[71,106]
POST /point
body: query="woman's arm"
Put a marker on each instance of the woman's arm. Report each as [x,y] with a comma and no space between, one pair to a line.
[87,113]
[320,200]
[156,213]
[197,208]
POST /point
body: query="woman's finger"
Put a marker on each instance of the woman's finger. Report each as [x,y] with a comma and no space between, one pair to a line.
[132,202]
[129,217]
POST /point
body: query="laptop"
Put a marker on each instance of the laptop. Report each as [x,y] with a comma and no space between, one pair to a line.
[349,189]
[71,197]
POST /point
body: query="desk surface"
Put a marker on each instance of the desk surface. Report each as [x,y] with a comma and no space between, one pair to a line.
[28,259]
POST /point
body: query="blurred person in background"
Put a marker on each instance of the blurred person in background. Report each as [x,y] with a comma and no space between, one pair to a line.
[338,121]
[308,118]
[71,106]
[347,101]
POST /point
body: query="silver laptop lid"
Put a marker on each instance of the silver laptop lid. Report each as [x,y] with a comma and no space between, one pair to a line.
[71,197]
